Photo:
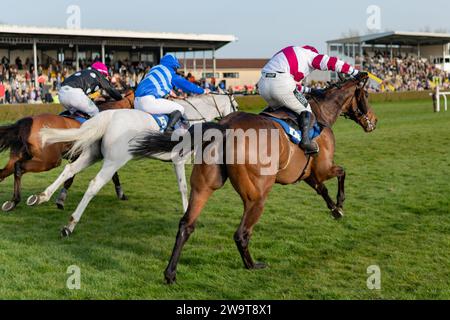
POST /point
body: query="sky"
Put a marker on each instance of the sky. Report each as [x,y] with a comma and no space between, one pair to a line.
[262,27]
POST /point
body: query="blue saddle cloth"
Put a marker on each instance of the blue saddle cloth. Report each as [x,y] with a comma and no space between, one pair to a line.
[162,120]
[78,117]
[296,135]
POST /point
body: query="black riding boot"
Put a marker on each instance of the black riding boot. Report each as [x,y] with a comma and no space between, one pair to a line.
[310,147]
[174,117]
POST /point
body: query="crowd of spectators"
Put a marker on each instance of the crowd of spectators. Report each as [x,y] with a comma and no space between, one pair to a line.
[404,73]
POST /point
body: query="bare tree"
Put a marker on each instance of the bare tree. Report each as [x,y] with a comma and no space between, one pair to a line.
[441,30]
[350,33]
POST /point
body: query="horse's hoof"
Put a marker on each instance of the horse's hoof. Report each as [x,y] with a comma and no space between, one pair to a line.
[8,206]
[65,232]
[124,198]
[259,266]
[171,278]
[33,200]
[337,213]
[60,205]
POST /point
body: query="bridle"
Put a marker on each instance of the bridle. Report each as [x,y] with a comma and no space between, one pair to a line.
[357,114]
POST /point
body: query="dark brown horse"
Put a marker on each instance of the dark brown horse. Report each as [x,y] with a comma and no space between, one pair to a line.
[348,98]
[27,154]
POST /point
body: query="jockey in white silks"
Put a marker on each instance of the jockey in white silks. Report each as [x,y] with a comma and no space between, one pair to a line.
[157,84]
[281,78]
[75,90]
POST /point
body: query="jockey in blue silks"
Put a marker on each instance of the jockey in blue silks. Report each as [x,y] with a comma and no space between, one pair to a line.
[157,84]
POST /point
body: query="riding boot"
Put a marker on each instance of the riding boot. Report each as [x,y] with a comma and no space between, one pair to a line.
[174,117]
[310,147]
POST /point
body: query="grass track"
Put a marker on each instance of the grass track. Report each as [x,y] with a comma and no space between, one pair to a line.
[397,217]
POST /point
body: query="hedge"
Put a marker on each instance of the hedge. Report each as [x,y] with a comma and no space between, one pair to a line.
[9,113]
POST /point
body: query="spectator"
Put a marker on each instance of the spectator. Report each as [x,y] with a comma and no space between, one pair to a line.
[19,63]
[2,93]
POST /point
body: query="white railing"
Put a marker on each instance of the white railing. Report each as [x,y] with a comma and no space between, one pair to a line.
[438,94]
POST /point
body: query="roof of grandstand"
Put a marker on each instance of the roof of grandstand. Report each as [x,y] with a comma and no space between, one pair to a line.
[228,63]
[397,38]
[23,35]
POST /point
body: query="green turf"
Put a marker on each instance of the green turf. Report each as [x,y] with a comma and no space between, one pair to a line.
[397,217]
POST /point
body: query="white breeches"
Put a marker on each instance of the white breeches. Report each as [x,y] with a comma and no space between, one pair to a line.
[152,105]
[279,92]
[75,99]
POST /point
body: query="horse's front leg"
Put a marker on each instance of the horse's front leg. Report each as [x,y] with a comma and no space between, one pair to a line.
[341,187]
[321,189]
[63,193]
[119,191]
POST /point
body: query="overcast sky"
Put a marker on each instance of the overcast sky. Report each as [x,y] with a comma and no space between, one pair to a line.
[263,27]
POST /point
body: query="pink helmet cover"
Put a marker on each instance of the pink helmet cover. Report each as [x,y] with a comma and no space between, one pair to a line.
[101,67]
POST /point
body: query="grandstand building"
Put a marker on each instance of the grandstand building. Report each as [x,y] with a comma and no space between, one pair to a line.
[72,45]
[237,73]
[432,46]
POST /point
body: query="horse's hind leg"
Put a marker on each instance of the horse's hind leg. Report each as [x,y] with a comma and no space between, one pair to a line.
[119,191]
[9,168]
[180,172]
[86,159]
[205,180]
[254,199]
[10,205]
[102,178]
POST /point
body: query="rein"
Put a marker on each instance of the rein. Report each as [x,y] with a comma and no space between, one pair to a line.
[217,107]
[195,108]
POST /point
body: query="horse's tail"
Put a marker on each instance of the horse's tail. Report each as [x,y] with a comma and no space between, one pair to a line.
[15,137]
[155,143]
[90,132]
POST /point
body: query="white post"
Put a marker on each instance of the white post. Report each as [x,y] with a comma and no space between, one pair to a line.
[418,50]
[35,63]
[184,64]
[438,99]
[77,57]
[194,66]
[204,65]
[161,51]
[103,52]
[214,62]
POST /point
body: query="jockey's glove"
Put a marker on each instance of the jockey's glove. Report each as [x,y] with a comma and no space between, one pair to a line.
[361,76]
[320,93]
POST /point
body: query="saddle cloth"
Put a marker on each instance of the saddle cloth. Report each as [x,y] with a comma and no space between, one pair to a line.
[163,120]
[78,116]
[288,121]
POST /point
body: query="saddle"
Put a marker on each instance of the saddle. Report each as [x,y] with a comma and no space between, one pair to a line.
[284,114]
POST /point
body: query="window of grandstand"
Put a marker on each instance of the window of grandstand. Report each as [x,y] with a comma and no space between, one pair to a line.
[147,57]
[231,75]
[208,75]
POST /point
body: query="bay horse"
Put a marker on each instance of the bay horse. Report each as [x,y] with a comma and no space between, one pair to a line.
[108,137]
[28,155]
[348,98]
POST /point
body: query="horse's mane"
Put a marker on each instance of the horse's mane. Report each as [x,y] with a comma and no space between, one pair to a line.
[339,84]
[324,115]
